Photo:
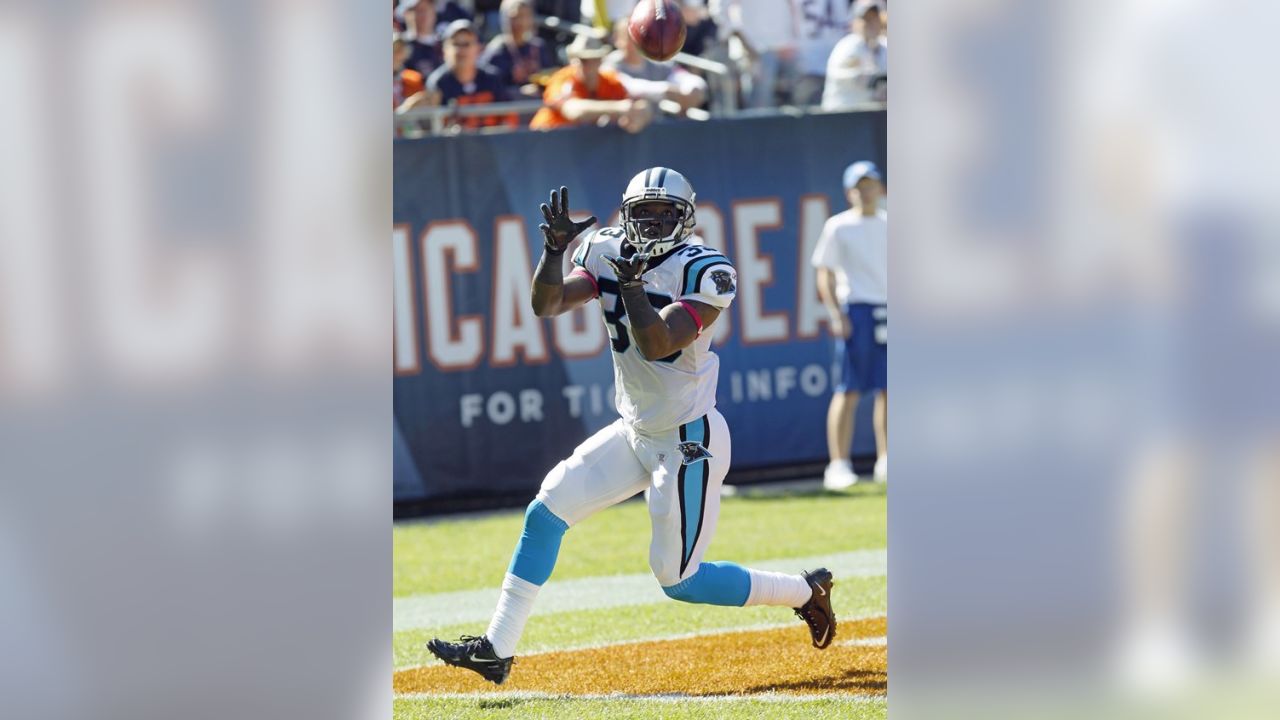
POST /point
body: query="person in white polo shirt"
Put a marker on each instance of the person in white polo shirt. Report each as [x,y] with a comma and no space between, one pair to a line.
[858,67]
[852,261]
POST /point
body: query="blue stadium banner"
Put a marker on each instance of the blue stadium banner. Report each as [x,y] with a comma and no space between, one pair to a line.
[488,397]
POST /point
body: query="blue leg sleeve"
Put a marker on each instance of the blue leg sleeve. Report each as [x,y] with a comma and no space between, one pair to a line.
[539,544]
[715,583]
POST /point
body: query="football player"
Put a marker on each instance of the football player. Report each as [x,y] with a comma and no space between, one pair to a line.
[659,295]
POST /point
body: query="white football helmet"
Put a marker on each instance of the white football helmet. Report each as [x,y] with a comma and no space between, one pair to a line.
[659,183]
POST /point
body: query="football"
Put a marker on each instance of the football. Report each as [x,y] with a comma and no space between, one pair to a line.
[657,28]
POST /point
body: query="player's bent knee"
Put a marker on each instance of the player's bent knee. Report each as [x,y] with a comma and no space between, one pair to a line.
[667,579]
[553,479]
[664,567]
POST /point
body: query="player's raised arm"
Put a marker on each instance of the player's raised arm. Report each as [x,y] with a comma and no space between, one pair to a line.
[658,334]
[552,293]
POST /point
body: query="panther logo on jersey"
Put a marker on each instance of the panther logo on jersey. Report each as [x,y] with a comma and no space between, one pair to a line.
[692,452]
[724,283]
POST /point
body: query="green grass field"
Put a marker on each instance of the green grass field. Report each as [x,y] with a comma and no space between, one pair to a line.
[447,574]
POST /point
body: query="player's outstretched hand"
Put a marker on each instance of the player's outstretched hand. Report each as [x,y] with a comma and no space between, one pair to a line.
[559,230]
[629,269]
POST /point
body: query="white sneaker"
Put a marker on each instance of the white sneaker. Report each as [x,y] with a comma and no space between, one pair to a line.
[882,469]
[839,476]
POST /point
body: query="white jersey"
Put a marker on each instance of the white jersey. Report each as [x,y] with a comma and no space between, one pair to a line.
[857,249]
[656,395]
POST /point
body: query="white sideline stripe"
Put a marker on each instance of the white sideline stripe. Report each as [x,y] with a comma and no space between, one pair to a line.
[594,593]
[674,697]
[881,641]
[666,638]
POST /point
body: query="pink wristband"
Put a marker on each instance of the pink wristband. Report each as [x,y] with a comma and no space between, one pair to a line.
[692,312]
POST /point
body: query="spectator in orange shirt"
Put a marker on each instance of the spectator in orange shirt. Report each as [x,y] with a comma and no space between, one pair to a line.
[583,93]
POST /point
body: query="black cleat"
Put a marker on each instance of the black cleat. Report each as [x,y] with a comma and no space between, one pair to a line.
[473,653]
[817,612]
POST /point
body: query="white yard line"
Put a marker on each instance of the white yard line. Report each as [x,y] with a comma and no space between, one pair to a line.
[672,698]
[594,593]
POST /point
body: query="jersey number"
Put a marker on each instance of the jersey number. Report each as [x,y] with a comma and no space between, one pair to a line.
[619,339]
[693,251]
[881,317]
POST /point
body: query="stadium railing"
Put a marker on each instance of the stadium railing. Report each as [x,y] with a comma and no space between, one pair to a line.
[438,120]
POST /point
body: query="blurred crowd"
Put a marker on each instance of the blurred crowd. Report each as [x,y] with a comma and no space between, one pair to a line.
[576,58]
